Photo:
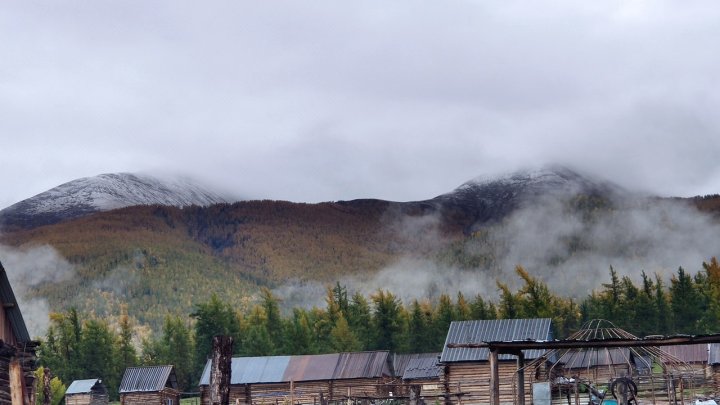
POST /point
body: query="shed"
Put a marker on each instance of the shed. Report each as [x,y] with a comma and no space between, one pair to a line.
[424,373]
[149,385]
[466,371]
[86,392]
[714,364]
[17,350]
[305,379]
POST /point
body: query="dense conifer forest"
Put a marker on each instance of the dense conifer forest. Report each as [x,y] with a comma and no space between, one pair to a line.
[80,345]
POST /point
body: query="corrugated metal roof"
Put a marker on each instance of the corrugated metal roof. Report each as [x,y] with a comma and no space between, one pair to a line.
[493,330]
[688,353]
[252,370]
[311,367]
[275,369]
[148,379]
[714,353]
[594,358]
[422,368]
[362,365]
[7,298]
[82,386]
[401,361]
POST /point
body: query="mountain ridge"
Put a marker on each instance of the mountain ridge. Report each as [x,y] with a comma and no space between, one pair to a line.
[105,192]
[164,260]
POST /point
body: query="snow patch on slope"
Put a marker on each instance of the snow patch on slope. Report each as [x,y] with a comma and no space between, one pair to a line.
[110,191]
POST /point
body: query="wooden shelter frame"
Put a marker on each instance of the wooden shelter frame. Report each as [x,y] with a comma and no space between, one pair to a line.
[516,347]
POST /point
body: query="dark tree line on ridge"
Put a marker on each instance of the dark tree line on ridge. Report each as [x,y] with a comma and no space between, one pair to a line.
[77,347]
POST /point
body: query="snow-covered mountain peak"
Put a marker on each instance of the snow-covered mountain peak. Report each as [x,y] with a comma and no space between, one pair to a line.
[106,192]
[545,179]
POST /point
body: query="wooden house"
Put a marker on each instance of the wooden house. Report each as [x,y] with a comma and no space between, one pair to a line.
[466,371]
[86,392]
[694,356]
[305,379]
[423,374]
[400,364]
[714,364]
[17,351]
[149,385]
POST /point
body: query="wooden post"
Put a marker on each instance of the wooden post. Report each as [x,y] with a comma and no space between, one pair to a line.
[221,369]
[292,392]
[520,378]
[16,382]
[414,394]
[494,378]
[47,392]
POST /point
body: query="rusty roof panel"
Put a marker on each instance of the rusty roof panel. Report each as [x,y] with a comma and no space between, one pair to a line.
[311,368]
[494,330]
[362,365]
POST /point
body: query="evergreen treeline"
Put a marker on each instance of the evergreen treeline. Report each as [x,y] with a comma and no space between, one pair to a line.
[78,348]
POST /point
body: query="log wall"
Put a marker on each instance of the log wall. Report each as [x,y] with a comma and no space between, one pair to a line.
[24,358]
[469,383]
[86,399]
[149,398]
[305,392]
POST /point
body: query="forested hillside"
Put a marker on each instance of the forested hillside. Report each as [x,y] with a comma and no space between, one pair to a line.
[78,344]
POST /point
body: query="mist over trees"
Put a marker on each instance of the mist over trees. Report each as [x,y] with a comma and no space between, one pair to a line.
[78,346]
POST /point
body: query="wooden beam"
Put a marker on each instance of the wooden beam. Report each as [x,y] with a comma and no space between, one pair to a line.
[513,347]
[520,378]
[494,378]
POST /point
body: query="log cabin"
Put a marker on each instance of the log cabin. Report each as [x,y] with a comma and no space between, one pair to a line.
[86,392]
[466,371]
[423,374]
[149,385]
[307,379]
[17,350]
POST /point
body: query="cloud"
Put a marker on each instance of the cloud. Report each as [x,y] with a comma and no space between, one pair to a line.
[334,101]
[29,269]
[570,251]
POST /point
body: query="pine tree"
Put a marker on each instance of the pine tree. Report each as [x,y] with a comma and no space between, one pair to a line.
[213,318]
[360,320]
[342,339]
[685,303]
[387,321]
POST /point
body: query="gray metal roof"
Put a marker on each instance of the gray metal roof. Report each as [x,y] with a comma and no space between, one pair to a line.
[8,301]
[82,386]
[714,353]
[252,370]
[422,368]
[689,353]
[148,379]
[275,369]
[573,359]
[493,330]
[400,361]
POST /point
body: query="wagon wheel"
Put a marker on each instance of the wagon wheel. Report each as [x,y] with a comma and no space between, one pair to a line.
[624,390]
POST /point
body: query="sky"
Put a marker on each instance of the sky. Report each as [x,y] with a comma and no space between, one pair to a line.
[335,100]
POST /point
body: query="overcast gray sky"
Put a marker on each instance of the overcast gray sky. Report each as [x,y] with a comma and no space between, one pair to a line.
[329,100]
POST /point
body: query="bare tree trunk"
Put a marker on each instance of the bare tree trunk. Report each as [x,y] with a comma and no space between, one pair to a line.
[221,370]
[47,392]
